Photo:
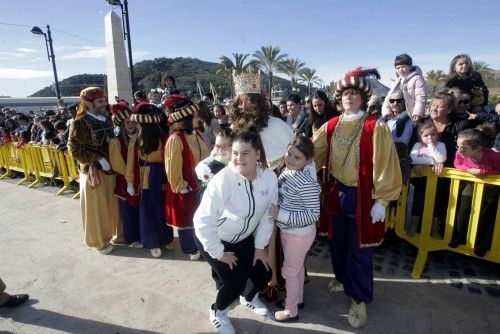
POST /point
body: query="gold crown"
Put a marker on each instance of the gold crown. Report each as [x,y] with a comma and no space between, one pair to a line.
[247,81]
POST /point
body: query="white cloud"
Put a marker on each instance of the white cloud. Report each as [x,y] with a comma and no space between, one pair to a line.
[87,53]
[26,50]
[22,73]
[11,54]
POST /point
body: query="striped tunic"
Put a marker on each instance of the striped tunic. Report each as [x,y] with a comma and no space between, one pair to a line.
[298,201]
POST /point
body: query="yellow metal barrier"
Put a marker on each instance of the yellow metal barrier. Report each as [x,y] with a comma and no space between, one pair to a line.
[423,240]
[14,159]
[38,162]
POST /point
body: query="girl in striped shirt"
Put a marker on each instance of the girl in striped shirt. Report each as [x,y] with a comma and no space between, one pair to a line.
[296,214]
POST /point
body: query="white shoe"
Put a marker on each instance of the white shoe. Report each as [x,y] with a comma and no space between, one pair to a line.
[221,321]
[156,252]
[357,314]
[170,247]
[195,256]
[106,250]
[256,305]
[136,244]
[335,286]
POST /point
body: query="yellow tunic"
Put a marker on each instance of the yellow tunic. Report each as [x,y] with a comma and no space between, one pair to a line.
[387,178]
[155,156]
[115,157]
[173,159]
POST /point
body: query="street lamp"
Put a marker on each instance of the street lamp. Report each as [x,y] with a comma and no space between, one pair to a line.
[126,35]
[50,54]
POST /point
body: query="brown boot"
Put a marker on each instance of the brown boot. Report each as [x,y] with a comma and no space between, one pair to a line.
[436,226]
[413,228]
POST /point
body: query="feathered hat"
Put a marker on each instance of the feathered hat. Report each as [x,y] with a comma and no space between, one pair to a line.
[119,112]
[178,107]
[146,113]
[354,79]
[247,81]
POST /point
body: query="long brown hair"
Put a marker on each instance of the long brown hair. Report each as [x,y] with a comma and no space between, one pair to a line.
[255,114]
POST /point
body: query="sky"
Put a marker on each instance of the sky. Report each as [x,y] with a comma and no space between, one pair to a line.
[330,36]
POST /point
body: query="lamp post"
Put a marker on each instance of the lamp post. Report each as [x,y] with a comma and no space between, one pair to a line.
[126,35]
[50,54]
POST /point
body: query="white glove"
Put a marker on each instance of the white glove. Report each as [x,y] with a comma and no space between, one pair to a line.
[378,213]
[104,164]
[185,191]
[130,189]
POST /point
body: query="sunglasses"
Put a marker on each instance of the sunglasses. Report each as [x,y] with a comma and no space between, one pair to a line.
[396,100]
[464,102]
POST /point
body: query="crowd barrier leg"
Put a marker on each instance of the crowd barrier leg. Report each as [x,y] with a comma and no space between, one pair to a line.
[424,245]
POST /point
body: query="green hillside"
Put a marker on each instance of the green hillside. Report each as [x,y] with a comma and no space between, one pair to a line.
[147,75]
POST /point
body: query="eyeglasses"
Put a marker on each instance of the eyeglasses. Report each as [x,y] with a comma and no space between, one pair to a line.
[396,100]
[464,102]
[222,146]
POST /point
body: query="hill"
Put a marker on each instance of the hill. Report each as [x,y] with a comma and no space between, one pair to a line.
[73,85]
[147,75]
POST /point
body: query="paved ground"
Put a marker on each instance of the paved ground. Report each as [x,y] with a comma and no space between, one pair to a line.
[76,290]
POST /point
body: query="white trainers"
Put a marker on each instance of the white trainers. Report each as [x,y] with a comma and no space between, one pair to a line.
[195,256]
[106,250]
[357,314]
[221,321]
[335,286]
[156,252]
[256,305]
[136,244]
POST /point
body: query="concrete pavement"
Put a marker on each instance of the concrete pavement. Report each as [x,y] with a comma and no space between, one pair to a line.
[74,289]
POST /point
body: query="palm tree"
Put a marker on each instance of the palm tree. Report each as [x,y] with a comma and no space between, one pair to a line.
[292,68]
[484,69]
[308,76]
[435,79]
[270,60]
[228,66]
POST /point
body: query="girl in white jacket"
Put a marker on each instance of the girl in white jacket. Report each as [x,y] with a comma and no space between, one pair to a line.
[234,208]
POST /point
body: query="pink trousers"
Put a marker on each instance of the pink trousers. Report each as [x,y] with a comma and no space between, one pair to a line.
[295,248]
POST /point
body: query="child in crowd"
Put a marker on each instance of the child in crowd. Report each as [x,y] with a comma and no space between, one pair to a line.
[297,211]
[474,157]
[411,83]
[463,76]
[218,159]
[220,114]
[128,228]
[427,152]
[146,155]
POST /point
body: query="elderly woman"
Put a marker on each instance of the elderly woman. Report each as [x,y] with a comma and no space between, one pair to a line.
[359,154]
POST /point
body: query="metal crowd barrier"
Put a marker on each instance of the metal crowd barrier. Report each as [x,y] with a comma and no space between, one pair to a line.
[423,241]
[37,162]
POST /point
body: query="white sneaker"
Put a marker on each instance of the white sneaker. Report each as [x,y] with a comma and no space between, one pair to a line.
[335,286]
[156,252]
[136,244]
[195,256]
[256,305]
[106,250]
[221,321]
[357,314]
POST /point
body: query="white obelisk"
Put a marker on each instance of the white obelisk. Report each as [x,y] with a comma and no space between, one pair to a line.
[116,60]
